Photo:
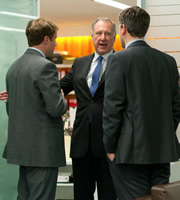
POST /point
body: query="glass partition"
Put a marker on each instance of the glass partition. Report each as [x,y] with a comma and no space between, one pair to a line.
[14,15]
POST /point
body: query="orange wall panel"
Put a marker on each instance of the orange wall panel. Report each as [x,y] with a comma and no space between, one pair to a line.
[80,45]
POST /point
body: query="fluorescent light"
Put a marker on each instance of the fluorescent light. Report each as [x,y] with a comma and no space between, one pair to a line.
[12,29]
[113,4]
[18,15]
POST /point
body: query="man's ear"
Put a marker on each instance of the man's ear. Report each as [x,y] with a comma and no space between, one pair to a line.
[123,29]
[114,38]
[46,40]
[91,36]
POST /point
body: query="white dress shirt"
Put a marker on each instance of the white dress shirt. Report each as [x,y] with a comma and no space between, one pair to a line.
[94,64]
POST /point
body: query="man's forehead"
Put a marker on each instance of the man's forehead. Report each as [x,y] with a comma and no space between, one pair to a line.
[102,22]
[103,26]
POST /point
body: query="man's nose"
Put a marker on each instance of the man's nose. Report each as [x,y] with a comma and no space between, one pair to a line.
[103,36]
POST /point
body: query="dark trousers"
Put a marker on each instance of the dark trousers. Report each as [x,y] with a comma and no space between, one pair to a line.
[89,171]
[37,183]
[132,180]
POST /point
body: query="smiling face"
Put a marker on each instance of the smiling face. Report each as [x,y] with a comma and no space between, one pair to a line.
[103,37]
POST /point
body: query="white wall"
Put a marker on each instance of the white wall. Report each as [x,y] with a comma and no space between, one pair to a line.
[69,31]
[164,31]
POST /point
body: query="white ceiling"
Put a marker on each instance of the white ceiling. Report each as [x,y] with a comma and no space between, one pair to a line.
[66,13]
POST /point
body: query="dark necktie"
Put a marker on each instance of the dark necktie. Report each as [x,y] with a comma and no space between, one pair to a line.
[95,76]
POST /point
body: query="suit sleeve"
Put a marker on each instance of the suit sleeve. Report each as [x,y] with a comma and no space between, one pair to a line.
[67,83]
[55,104]
[7,88]
[114,103]
[175,95]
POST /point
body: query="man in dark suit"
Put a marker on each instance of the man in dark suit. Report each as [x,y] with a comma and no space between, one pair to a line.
[34,106]
[89,161]
[141,110]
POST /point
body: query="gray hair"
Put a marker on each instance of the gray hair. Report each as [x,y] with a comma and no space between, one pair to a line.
[104,19]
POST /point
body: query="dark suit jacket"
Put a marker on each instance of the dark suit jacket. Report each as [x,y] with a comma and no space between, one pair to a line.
[76,79]
[35,105]
[142,106]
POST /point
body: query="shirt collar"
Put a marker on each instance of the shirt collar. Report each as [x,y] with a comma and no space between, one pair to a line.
[105,56]
[132,41]
[37,50]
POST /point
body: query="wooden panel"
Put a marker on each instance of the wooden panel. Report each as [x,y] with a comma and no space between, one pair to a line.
[171,47]
[177,57]
[164,10]
[167,20]
[163,32]
[161,2]
[165,45]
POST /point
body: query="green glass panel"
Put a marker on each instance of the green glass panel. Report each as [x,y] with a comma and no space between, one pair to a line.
[12,45]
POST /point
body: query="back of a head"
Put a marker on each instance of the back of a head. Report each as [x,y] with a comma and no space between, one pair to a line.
[136,21]
[37,29]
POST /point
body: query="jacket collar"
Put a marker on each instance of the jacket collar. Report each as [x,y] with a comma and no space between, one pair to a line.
[34,51]
[138,43]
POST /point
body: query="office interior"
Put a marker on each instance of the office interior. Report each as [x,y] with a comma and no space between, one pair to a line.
[74,40]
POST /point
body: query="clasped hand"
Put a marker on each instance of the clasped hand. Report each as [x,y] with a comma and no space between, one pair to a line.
[3,95]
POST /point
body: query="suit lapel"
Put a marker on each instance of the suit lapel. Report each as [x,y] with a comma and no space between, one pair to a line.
[87,64]
[103,76]
[85,70]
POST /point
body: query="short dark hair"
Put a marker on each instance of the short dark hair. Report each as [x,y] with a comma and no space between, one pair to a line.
[136,21]
[37,29]
[104,19]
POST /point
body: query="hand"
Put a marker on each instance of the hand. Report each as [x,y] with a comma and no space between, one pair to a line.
[3,95]
[111,156]
[62,92]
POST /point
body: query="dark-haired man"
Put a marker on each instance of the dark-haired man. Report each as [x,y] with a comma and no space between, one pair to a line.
[141,110]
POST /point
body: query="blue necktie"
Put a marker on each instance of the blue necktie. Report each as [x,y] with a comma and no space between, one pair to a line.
[95,76]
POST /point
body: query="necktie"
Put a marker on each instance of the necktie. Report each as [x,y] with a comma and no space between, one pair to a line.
[95,76]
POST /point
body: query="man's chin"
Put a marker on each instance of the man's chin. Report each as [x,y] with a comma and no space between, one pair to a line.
[103,51]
